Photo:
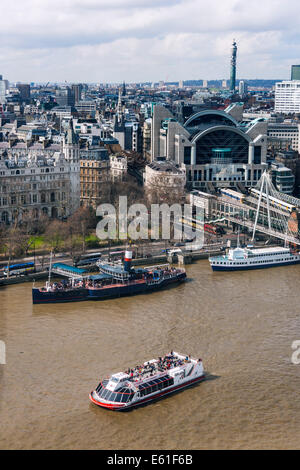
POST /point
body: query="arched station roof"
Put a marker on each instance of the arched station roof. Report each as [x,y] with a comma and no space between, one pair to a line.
[210,115]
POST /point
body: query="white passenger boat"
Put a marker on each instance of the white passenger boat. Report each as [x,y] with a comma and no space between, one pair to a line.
[152,380]
[254,258]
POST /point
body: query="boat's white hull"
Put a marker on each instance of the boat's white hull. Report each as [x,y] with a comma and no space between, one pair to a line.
[240,266]
[144,400]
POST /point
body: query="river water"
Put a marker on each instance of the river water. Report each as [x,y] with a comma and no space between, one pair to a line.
[241,324]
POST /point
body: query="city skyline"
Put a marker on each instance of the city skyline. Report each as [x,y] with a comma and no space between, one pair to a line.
[101,41]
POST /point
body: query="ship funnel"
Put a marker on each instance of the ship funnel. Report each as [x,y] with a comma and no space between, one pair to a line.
[127,260]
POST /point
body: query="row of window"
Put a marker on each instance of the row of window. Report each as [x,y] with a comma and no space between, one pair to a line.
[5,217]
[31,199]
[293,258]
[121,396]
[155,385]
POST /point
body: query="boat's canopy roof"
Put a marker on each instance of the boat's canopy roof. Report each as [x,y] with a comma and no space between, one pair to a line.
[99,277]
[68,268]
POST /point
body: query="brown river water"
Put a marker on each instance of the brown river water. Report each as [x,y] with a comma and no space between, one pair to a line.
[241,324]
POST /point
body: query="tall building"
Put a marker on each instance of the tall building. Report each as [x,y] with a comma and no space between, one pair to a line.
[3,88]
[77,89]
[243,88]
[71,152]
[24,90]
[295,72]
[64,97]
[233,66]
[287,97]
[119,122]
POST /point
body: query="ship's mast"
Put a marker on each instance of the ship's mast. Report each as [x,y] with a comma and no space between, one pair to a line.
[50,269]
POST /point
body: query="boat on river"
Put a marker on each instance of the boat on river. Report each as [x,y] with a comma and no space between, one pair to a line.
[148,382]
[239,259]
[114,280]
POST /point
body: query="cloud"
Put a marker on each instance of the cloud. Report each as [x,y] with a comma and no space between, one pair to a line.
[138,40]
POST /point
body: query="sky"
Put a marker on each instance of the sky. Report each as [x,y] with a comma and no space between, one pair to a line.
[146,40]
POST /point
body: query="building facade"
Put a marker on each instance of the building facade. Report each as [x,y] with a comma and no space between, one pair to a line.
[287,97]
[118,167]
[39,186]
[285,131]
[94,174]
[164,181]
[295,72]
[71,152]
[215,149]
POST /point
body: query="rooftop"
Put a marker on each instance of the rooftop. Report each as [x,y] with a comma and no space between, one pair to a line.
[165,166]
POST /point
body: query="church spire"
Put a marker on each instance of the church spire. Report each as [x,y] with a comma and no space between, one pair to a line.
[72,138]
[120,106]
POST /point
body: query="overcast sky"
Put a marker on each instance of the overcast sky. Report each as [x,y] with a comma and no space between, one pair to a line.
[146,40]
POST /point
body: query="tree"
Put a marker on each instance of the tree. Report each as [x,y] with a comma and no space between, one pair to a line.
[81,222]
[55,235]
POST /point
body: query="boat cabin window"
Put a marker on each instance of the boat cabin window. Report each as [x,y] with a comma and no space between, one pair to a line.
[124,395]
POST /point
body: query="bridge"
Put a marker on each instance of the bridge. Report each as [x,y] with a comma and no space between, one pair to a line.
[264,210]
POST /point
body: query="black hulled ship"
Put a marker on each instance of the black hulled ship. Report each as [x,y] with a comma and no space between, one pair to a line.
[114,280]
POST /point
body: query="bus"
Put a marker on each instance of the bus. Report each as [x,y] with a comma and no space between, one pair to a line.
[86,262]
[18,269]
[214,229]
[88,259]
[115,255]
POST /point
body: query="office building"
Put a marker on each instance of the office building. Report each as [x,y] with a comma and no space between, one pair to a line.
[77,89]
[286,132]
[295,72]
[243,88]
[24,90]
[287,97]
[3,88]
[64,97]
[282,178]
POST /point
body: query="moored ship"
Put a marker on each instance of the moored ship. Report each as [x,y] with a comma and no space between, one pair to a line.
[114,280]
[239,258]
[150,381]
